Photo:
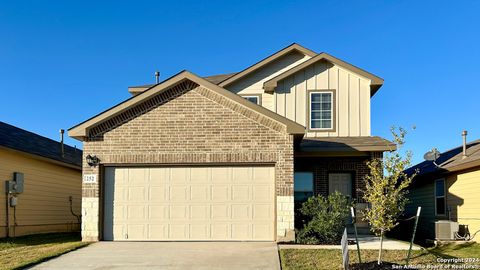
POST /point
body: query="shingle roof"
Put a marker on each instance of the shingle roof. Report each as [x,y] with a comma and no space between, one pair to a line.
[451,160]
[25,141]
[335,144]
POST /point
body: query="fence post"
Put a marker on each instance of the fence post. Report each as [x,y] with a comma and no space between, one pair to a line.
[419,209]
[356,234]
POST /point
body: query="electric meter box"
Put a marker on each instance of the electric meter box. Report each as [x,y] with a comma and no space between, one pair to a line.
[15,186]
[18,179]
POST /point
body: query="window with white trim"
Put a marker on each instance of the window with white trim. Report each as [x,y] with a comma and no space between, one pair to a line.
[321,110]
[440,201]
[253,99]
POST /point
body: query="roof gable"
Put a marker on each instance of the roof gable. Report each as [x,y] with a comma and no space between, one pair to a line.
[376,82]
[81,130]
[266,61]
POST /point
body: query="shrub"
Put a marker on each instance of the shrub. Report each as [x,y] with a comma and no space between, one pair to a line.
[324,219]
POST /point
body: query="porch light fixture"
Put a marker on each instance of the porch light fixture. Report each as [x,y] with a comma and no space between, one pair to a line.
[92,160]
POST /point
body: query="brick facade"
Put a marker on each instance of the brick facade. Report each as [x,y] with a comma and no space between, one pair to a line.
[187,124]
[322,166]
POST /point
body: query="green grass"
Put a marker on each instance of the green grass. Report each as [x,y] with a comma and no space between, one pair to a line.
[20,252]
[331,259]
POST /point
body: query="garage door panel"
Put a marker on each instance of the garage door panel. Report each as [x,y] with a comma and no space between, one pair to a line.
[262,193]
[262,175]
[178,193]
[137,193]
[158,194]
[137,177]
[178,231]
[242,174]
[179,175]
[200,212]
[220,193]
[262,212]
[220,231]
[199,231]
[262,231]
[241,193]
[179,212]
[241,212]
[160,212]
[159,176]
[241,231]
[190,203]
[136,231]
[199,175]
[199,193]
[157,231]
[221,175]
[220,212]
[136,212]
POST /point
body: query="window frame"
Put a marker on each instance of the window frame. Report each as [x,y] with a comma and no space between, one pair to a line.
[437,197]
[257,96]
[332,114]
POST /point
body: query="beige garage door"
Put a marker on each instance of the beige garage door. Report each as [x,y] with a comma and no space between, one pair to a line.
[189,203]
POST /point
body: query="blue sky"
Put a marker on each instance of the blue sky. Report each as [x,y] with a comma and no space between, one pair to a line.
[64,61]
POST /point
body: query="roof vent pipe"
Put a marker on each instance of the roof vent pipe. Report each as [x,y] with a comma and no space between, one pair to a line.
[157,77]
[61,142]
[464,135]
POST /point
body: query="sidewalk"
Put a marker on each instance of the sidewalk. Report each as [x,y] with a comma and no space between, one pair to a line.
[365,242]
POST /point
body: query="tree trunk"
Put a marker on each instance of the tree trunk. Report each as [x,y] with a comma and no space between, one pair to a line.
[381,247]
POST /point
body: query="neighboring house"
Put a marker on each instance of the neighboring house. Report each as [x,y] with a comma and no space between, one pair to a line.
[449,191]
[216,158]
[51,184]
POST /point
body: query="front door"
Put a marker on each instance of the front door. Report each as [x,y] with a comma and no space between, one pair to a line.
[341,182]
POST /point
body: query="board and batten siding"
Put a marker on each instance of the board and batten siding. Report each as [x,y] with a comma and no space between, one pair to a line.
[351,97]
[44,205]
[252,84]
[421,195]
[463,200]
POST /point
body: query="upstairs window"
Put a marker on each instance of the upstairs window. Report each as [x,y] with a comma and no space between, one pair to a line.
[321,110]
[254,99]
[440,201]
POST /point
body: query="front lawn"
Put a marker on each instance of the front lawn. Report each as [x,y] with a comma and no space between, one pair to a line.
[19,252]
[329,259]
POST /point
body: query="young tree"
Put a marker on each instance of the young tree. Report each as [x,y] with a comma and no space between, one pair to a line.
[386,188]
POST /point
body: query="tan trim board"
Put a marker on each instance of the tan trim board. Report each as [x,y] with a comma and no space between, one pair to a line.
[80,131]
[334,109]
[269,59]
[376,82]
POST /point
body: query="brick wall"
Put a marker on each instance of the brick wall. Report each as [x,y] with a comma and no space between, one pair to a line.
[321,167]
[189,124]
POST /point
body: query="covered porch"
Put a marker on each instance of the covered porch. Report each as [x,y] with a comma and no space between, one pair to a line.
[325,165]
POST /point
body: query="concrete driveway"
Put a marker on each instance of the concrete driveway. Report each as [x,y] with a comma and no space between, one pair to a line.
[169,255]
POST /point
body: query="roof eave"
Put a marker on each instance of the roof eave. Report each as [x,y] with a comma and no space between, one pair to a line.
[267,60]
[375,81]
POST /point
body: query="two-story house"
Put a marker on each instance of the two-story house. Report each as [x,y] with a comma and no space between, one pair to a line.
[224,157]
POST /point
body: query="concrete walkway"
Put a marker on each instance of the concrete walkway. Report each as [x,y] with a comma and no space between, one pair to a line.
[169,255]
[365,242]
